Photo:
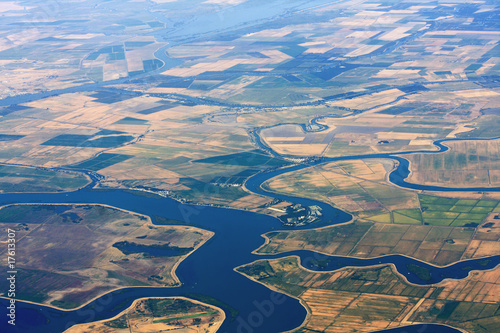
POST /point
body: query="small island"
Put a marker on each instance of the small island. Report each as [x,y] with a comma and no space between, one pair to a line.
[159,315]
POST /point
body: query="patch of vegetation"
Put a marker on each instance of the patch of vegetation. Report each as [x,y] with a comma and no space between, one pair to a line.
[154,250]
[68,140]
[131,121]
[213,301]
[102,161]
[250,158]
[185,317]
[160,220]
[27,179]
[367,275]
[485,127]
[10,137]
[78,140]
[448,309]
[449,211]
[120,323]
[275,276]
[421,272]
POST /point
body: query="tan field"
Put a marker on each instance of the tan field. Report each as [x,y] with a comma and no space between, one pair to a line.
[358,187]
[477,93]
[466,164]
[363,50]
[333,311]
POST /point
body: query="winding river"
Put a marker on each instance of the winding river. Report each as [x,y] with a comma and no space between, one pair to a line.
[209,271]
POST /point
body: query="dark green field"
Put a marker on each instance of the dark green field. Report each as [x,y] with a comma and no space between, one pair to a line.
[78,140]
[26,179]
[455,212]
[102,161]
[250,158]
[131,121]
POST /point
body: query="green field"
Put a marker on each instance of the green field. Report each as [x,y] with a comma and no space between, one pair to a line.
[26,179]
[185,317]
[131,121]
[102,161]
[455,212]
[77,140]
[251,158]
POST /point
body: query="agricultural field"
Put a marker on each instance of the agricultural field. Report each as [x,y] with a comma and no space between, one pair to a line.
[310,66]
[159,315]
[410,124]
[27,179]
[466,164]
[456,212]
[189,101]
[137,141]
[358,187]
[434,244]
[385,88]
[114,249]
[369,299]
[75,50]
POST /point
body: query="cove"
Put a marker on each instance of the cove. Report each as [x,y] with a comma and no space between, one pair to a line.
[209,271]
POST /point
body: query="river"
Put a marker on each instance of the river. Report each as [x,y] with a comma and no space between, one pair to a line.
[210,271]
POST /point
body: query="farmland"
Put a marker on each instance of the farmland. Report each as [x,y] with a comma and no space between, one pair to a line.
[147,131]
[456,212]
[434,244]
[65,271]
[467,163]
[358,187]
[26,179]
[368,299]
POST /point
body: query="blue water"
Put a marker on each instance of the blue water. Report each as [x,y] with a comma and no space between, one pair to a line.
[210,270]
[151,250]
